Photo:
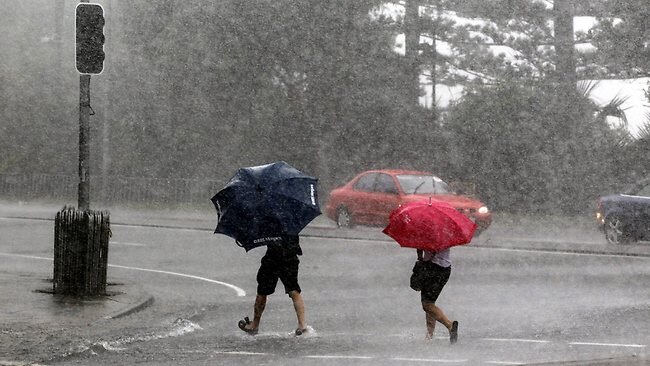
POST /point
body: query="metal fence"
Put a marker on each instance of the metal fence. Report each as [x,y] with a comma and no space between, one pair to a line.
[110,189]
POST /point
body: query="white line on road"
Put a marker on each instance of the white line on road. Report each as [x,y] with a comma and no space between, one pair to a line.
[333,357]
[25,256]
[128,244]
[432,360]
[607,344]
[161,227]
[240,292]
[516,340]
[241,353]
[22,219]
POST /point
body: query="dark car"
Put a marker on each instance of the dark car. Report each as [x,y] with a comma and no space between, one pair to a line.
[370,197]
[625,217]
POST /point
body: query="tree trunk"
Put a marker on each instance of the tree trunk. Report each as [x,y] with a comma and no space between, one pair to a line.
[411,44]
[564,44]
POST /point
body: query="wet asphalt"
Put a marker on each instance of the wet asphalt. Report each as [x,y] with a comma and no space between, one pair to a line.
[40,307]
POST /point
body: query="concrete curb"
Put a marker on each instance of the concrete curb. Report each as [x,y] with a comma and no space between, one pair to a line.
[518,243]
[143,302]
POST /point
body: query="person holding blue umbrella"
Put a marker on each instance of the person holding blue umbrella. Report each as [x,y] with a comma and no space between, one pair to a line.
[256,195]
[280,262]
[268,205]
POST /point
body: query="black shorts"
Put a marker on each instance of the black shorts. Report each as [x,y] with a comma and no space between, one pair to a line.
[272,269]
[436,279]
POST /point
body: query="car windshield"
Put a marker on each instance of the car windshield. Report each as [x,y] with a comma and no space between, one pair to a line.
[641,188]
[422,184]
[644,191]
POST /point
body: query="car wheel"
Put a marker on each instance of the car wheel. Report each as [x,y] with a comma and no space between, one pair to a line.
[615,230]
[343,218]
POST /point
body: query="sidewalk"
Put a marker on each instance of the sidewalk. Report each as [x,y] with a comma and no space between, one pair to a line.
[29,296]
[31,315]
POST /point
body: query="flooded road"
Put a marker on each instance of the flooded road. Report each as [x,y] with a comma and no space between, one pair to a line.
[514,306]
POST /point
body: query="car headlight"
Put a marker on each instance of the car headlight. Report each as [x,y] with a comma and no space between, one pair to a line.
[483,210]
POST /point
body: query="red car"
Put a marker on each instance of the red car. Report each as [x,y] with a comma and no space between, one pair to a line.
[371,196]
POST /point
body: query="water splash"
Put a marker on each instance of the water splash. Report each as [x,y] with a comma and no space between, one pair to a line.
[179,327]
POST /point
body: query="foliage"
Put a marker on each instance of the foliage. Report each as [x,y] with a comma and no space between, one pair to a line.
[197,89]
[622,39]
[282,78]
[516,143]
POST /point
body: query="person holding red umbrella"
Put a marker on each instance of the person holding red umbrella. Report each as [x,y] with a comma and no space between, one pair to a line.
[431,227]
[435,273]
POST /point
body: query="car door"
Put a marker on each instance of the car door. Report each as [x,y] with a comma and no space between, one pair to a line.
[360,202]
[643,211]
[384,199]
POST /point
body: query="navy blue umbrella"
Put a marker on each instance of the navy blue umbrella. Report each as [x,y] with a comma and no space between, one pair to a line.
[261,203]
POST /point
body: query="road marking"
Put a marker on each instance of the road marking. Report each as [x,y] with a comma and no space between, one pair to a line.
[24,219]
[607,344]
[128,244]
[162,226]
[24,256]
[243,353]
[432,360]
[240,292]
[333,357]
[516,340]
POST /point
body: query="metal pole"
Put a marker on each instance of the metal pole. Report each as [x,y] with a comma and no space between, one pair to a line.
[411,42]
[84,142]
[106,116]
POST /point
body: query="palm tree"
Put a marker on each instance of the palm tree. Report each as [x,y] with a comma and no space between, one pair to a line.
[614,108]
[644,130]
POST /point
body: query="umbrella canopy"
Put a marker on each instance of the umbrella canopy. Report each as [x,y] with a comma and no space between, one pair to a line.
[263,202]
[429,225]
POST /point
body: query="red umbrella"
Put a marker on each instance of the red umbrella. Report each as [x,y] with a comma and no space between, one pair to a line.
[429,225]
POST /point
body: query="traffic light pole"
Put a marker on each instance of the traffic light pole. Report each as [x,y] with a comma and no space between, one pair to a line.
[89,49]
[81,235]
[84,143]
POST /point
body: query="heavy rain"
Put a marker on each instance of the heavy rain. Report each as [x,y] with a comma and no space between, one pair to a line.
[530,118]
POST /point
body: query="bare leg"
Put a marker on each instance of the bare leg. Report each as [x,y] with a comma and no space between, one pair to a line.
[299,306]
[435,313]
[431,325]
[260,304]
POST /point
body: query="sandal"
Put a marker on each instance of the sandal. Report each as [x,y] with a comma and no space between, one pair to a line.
[453,332]
[242,325]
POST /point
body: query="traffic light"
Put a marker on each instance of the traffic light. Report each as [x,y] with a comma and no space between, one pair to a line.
[90,38]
